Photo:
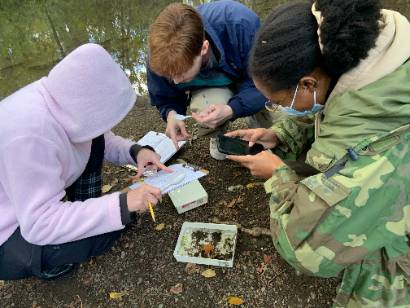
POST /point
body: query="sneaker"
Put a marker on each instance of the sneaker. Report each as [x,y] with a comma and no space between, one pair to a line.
[213,150]
[57,272]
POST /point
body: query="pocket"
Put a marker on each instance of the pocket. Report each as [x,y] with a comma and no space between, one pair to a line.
[330,191]
[315,198]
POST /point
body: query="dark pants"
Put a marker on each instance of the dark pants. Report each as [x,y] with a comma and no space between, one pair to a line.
[20,259]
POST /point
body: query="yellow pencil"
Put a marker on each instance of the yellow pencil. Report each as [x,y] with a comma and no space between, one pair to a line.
[151,210]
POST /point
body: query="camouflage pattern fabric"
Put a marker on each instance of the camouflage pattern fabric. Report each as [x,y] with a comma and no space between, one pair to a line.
[356,222]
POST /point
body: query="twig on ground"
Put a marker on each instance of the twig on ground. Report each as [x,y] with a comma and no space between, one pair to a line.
[255,231]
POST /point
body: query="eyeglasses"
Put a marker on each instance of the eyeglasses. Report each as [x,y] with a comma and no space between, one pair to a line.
[272,107]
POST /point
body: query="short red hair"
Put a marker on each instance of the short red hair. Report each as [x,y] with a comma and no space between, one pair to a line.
[175,39]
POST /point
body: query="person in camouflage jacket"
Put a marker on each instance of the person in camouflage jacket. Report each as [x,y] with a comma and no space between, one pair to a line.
[349,87]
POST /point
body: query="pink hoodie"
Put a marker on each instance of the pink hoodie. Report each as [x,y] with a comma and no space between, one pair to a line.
[46,130]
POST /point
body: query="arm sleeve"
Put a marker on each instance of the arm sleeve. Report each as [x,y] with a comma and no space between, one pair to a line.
[248,100]
[117,149]
[295,135]
[165,96]
[34,183]
[322,225]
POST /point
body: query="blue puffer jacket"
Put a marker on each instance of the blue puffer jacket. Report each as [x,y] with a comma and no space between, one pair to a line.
[232,28]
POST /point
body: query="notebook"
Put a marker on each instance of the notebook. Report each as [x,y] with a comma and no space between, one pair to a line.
[162,179]
[162,144]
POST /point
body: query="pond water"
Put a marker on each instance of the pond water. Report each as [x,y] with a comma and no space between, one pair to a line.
[35,35]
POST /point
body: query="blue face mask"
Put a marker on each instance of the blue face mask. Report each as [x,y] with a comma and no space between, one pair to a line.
[296,113]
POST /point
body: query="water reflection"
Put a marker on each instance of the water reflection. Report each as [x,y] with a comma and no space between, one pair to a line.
[34,34]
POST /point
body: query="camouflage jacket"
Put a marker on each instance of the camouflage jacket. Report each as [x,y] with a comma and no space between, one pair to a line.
[353,216]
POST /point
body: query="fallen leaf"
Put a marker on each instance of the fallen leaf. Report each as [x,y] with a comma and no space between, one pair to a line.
[253,185]
[261,269]
[209,273]
[160,227]
[235,188]
[232,203]
[192,268]
[106,188]
[176,289]
[267,259]
[234,300]
[116,295]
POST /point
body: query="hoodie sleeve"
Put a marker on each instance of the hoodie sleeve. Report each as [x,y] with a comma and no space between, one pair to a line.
[33,181]
[117,149]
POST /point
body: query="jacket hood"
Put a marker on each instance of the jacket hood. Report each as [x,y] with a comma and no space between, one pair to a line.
[391,51]
[88,93]
[372,99]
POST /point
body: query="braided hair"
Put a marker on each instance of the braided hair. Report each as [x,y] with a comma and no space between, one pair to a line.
[287,45]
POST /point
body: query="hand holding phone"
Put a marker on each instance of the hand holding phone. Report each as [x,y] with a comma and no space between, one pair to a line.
[236,146]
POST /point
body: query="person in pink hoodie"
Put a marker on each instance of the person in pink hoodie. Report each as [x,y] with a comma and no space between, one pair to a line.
[54,135]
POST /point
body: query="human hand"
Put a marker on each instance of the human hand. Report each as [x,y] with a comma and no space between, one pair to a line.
[176,129]
[145,158]
[263,136]
[214,115]
[138,199]
[260,165]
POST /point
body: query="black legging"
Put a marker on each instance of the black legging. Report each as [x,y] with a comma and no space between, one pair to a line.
[20,259]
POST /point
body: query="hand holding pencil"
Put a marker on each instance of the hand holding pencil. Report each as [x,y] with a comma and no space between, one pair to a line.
[143,198]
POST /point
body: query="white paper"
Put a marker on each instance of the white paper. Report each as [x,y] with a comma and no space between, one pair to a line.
[162,179]
[161,144]
[182,117]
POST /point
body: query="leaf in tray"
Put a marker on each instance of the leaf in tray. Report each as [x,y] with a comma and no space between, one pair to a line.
[106,188]
[207,248]
[160,227]
[116,295]
[235,300]
[176,289]
[209,273]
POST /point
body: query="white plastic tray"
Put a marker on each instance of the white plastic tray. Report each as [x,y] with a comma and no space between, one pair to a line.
[208,227]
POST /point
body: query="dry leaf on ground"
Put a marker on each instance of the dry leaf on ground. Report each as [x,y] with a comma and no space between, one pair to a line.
[106,188]
[253,185]
[160,227]
[192,268]
[232,203]
[267,259]
[176,289]
[222,203]
[234,300]
[209,273]
[261,269]
[116,295]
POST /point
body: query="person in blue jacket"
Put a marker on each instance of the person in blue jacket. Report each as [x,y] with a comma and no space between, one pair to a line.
[199,58]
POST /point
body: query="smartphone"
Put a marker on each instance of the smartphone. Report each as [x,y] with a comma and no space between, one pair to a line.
[236,146]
